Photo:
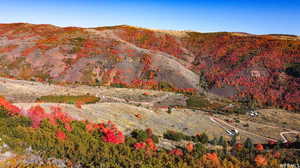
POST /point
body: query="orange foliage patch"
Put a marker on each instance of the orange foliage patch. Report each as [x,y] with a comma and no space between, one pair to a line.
[60,135]
[140,145]
[212,156]
[276,155]
[28,51]
[260,160]
[177,152]
[12,109]
[78,104]
[259,147]
[8,48]
[189,147]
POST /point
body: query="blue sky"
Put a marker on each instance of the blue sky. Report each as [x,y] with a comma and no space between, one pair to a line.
[252,16]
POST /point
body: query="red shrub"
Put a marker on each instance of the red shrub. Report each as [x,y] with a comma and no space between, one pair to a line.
[177,152]
[78,104]
[276,155]
[148,145]
[90,127]
[139,146]
[12,110]
[259,147]
[28,51]
[36,114]
[57,114]
[111,133]
[189,147]
[211,156]
[7,49]
[68,127]
[151,145]
[260,160]
[146,94]
[60,135]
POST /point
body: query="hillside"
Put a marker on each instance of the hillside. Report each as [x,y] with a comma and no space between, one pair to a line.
[257,69]
[50,126]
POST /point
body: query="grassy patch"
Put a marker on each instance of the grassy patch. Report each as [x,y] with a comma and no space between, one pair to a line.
[214,105]
[85,99]
[197,102]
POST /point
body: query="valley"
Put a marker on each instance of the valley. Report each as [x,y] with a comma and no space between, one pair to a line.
[122,105]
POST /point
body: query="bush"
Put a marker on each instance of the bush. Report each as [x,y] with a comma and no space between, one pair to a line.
[176,136]
[203,138]
[141,136]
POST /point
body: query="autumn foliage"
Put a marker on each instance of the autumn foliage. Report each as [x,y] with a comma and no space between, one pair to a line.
[177,152]
[140,145]
[211,156]
[13,110]
[189,147]
[148,145]
[261,160]
[60,135]
[256,68]
[259,147]
[111,133]
[56,134]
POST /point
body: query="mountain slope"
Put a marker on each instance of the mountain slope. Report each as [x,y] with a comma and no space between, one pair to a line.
[261,70]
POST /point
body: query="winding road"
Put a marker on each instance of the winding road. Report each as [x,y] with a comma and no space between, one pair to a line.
[221,124]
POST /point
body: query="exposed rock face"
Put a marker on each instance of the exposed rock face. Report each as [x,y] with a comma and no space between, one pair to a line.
[250,66]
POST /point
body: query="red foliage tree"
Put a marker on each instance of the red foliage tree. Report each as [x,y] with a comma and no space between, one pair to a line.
[259,147]
[140,145]
[277,155]
[36,114]
[111,133]
[12,109]
[151,145]
[261,160]
[177,152]
[60,135]
[189,147]
[212,156]
[28,51]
